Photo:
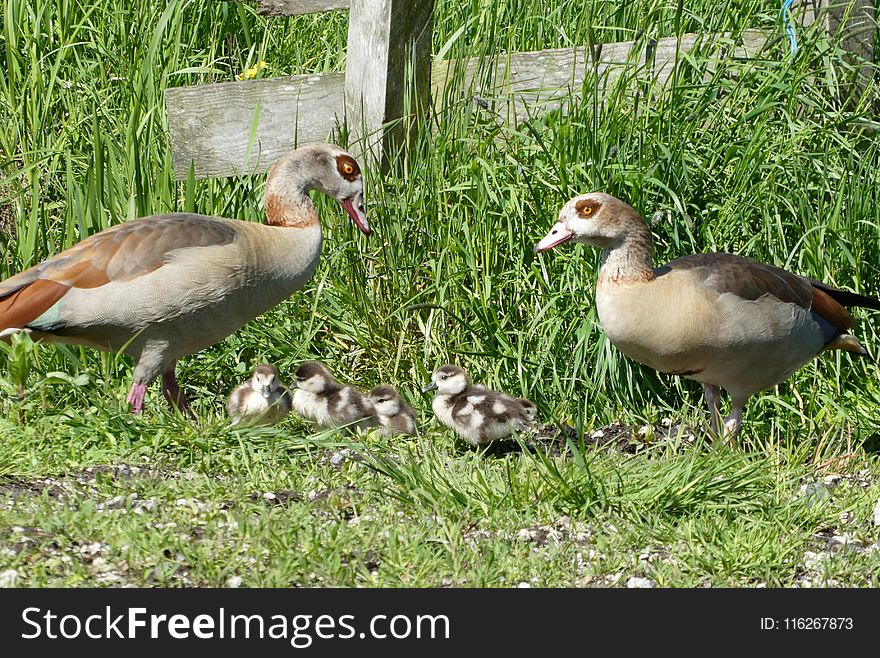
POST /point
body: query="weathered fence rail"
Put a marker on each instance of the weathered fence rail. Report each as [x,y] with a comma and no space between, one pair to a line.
[238,128]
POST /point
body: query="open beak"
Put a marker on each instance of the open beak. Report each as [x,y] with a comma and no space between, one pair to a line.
[557,235]
[430,387]
[354,206]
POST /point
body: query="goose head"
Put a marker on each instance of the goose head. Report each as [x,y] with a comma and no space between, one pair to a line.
[448,380]
[326,168]
[265,380]
[385,400]
[313,376]
[597,219]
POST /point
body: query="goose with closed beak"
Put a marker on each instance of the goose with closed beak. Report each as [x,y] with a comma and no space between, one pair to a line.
[723,320]
[321,399]
[394,413]
[162,287]
[477,414]
[262,399]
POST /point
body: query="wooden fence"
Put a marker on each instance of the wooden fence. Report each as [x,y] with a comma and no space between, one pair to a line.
[237,128]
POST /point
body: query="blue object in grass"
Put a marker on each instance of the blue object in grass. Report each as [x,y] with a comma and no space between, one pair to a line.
[789,26]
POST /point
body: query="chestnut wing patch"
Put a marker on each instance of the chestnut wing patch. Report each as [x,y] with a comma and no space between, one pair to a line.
[120,253]
[125,252]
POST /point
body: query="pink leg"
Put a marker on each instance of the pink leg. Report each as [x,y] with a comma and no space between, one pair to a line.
[136,397]
[176,398]
[732,423]
[712,394]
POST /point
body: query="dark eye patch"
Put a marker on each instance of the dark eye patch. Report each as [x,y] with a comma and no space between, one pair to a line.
[347,167]
[586,207]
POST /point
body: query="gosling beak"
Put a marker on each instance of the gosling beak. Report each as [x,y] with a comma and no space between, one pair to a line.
[265,391]
[430,387]
[354,206]
[557,235]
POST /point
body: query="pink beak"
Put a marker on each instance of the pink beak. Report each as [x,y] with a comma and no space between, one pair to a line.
[557,235]
[354,206]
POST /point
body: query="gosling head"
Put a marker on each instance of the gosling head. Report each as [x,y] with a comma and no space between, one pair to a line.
[386,401]
[448,380]
[529,408]
[312,376]
[597,219]
[265,380]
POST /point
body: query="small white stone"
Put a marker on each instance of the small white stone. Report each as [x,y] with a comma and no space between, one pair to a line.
[635,582]
[337,458]
[877,513]
[234,581]
[523,585]
[268,495]
[9,578]
[831,481]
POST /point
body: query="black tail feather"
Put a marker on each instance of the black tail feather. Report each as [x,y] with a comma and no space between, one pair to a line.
[846,297]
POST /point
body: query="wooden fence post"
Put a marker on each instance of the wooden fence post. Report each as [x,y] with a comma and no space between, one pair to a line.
[387,71]
[850,23]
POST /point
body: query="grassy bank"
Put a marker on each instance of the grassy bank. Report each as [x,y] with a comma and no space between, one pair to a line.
[765,156]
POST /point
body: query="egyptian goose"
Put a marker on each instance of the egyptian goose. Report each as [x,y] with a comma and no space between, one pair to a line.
[262,399]
[321,399]
[477,414]
[393,412]
[161,287]
[723,320]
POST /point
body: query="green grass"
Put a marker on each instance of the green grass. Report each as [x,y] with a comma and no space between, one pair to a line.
[769,156]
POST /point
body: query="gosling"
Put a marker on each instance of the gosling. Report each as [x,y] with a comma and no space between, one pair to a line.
[263,399]
[393,412]
[477,414]
[321,399]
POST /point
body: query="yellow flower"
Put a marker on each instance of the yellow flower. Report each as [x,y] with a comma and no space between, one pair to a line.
[253,71]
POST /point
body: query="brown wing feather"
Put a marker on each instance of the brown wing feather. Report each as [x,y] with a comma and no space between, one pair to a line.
[751,280]
[25,304]
[831,310]
[746,278]
[119,253]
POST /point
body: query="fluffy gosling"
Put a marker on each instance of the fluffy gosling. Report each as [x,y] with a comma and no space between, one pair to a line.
[393,412]
[477,414]
[262,399]
[321,399]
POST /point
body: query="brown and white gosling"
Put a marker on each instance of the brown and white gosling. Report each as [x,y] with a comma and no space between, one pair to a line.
[321,399]
[723,320]
[262,399]
[393,412]
[477,414]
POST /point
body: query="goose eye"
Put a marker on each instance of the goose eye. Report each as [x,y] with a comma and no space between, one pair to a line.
[586,211]
[347,168]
